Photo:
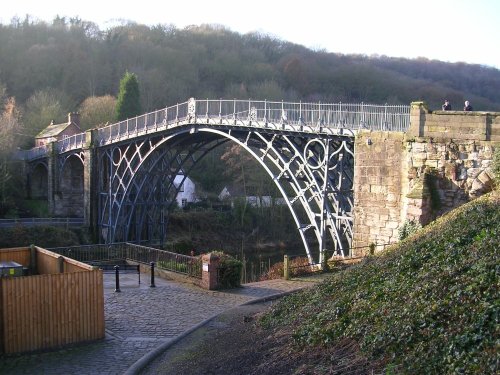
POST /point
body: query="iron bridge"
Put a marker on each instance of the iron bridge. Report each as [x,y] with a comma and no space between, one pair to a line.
[306,148]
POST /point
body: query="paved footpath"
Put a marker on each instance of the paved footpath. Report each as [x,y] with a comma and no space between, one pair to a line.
[138,320]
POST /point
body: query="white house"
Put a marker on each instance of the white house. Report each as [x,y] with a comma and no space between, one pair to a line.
[186,190]
[231,193]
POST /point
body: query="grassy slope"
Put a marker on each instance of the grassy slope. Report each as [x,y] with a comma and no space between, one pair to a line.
[427,306]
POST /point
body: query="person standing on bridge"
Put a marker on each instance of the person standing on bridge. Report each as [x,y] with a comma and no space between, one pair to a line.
[446,106]
[467,107]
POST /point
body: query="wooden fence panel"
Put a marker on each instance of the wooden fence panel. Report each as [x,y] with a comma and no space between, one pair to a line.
[45,311]
[2,349]
[47,262]
[19,255]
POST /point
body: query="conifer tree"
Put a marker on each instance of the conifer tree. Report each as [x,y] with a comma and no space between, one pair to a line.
[128,104]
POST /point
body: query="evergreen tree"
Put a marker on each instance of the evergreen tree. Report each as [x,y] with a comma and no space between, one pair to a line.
[128,104]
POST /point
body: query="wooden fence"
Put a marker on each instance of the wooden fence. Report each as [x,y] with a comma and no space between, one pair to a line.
[19,255]
[52,308]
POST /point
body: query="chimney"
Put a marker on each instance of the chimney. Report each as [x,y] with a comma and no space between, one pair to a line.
[74,117]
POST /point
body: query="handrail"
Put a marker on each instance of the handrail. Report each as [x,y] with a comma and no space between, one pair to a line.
[68,221]
[36,152]
[71,143]
[296,116]
[163,259]
[318,116]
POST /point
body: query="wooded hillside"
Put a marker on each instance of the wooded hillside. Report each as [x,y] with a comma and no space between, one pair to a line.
[71,59]
[49,70]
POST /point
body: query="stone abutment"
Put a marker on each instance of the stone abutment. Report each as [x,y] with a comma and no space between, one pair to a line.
[443,161]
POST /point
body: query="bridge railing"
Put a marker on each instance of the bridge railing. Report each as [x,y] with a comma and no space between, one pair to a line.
[260,113]
[36,152]
[71,143]
[343,115]
[145,123]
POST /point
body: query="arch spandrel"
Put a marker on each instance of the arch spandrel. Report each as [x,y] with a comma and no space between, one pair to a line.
[132,184]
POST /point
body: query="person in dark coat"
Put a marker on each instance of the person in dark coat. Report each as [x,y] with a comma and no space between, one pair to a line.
[467,107]
[446,106]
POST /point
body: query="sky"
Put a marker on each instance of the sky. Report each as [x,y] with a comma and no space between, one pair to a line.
[447,30]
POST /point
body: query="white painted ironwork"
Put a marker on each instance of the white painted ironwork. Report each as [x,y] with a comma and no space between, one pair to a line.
[316,118]
[73,142]
[36,153]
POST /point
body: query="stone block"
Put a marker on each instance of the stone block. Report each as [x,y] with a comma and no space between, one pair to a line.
[384,218]
[414,210]
[432,163]
[378,189]
[386,232]
[473,172]
[392,197]
[391,224]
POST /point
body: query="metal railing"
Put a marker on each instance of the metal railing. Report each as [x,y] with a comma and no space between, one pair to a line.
[149,122]
[36,152]
[318,117]
[52,221]
[166,260]
[71,143]
[311,117]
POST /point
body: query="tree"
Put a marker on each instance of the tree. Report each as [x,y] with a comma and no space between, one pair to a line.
[128,104]
[10,127]
[41,108]
[96,111]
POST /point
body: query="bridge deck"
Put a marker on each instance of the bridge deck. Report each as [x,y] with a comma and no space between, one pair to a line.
[314,118]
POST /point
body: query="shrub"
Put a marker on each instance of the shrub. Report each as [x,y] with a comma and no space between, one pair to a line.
[43,236]
[298,266]
[496,166]
[229,272]
[409,227]
[172,265]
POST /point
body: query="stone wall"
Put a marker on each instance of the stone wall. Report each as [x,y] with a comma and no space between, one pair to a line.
[456,125]
[445,174]
[378,193]
[68,199]
[443,161]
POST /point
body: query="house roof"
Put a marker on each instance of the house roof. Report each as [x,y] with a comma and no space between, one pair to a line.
[53,130]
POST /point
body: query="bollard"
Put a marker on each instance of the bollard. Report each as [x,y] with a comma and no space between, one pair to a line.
[286,270]
[117,279]
[152,275]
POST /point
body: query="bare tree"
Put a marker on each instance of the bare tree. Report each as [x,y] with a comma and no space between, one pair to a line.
[96,111]
[10,127]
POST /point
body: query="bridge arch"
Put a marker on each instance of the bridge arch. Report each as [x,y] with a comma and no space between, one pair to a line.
[69,201]
[313,174]
[38,180]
